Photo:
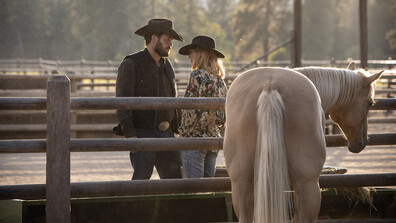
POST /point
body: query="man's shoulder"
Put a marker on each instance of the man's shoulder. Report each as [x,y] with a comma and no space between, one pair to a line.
[134,56]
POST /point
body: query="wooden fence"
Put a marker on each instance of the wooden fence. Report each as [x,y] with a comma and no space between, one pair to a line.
[58,190]
[23,66]
[32,124]
[101,75]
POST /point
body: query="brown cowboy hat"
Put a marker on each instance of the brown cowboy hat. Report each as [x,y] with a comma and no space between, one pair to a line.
[205,42]
[159,26]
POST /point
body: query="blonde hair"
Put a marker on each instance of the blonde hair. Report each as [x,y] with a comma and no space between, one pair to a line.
[206,59]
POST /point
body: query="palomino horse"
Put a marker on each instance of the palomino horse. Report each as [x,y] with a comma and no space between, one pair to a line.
[275,136]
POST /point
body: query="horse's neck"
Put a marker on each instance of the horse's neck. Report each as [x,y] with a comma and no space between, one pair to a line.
[335,86]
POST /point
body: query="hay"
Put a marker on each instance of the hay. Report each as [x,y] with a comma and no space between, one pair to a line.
[358,195]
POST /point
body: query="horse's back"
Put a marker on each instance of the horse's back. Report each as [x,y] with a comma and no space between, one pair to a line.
[303,114]
[296,90]
[288,82]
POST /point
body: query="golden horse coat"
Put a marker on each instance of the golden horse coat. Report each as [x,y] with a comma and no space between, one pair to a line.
[274,137]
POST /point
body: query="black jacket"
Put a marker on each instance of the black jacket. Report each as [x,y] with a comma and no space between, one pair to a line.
[138,77]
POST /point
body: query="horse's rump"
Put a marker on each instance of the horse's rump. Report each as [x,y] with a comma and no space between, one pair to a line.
[268,132]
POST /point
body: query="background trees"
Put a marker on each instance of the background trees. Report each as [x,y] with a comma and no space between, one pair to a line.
[391,34]
[243,29]
[261,25]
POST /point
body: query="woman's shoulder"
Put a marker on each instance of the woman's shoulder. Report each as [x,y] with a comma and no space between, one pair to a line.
[199,73]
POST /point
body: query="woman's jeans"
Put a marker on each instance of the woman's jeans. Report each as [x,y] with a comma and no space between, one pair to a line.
[167,163]
[198,164]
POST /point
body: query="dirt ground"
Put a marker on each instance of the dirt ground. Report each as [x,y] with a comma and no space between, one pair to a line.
[113,166]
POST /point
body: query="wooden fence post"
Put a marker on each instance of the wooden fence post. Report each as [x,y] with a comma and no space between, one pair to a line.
[363,34]
[58,150]
[297,34]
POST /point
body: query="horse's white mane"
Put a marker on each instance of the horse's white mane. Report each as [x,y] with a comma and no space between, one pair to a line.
[335,86]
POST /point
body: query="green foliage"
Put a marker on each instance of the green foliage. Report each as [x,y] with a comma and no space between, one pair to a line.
[260,26]
[352,52]
[380,22]
[391,37]
[329,28]
[391,34]
[281,54]
[243,29]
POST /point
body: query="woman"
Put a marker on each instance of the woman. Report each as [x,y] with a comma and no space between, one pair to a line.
[206,80]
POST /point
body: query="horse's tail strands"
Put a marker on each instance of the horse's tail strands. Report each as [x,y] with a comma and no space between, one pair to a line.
[272,202]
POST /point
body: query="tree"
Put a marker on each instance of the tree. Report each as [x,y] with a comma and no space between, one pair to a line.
[391,34]
[105,30]
[318,27]
[256,26]
[197,17]
[344,39]
[219,15]
[22,29]
[58,33]
[243,29]
[385,17]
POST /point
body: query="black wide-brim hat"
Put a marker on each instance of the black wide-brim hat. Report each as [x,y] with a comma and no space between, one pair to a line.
[159,26]
[205,42]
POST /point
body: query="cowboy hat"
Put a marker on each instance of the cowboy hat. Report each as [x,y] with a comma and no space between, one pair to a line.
[159,26]
[205,42]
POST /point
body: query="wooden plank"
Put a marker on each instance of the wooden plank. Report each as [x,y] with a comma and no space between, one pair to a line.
[58,150]
[174,186]
[297,30]
[370,121]
[143,103]
[23,146]
[363,33]
[147,103]
[108,127]
[9,103]
[43,127]
[162,144]
[384,104]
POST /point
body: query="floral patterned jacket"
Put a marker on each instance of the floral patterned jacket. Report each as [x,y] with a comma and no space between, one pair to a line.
[203,123]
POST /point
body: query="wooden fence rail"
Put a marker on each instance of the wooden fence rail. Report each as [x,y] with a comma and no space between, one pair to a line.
[142,103]
[174,186]
[387,75]
[58,145]
[160,144]
[15,128]
[56,64]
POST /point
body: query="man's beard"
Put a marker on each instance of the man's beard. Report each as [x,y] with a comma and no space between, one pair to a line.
[160,50]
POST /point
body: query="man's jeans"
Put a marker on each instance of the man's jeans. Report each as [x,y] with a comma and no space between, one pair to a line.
[197,164]
[167,163]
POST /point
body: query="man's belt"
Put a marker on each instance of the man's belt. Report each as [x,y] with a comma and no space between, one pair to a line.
[163,126]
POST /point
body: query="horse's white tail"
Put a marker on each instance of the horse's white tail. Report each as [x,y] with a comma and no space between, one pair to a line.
[271,180]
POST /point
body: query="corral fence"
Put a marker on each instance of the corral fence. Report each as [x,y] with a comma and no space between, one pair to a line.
[104,84]
[28,78]
[79,70]
[58,144]
[24,66]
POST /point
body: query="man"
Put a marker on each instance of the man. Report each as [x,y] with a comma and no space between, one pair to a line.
[148,73]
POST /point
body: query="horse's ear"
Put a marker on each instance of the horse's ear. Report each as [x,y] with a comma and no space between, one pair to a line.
[352,66]
[373,77]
